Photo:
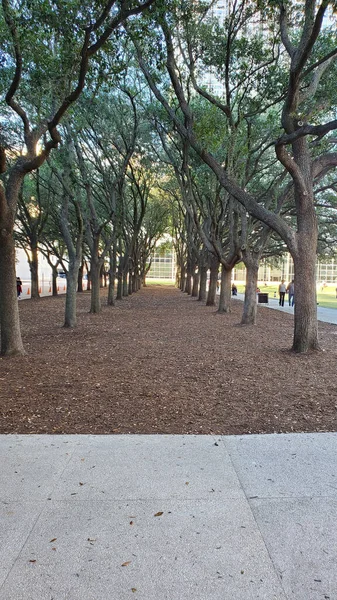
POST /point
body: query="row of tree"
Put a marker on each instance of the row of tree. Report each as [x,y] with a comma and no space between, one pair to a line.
[238,175]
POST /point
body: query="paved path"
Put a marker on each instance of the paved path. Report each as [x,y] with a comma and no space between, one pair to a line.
[168,517]
[329,315]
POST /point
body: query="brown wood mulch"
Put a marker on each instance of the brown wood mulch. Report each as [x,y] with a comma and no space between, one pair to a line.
[162,362]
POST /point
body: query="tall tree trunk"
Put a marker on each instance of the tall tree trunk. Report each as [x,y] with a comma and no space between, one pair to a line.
[249,305]
[125,284]
[119,295]
[11,341]
[89,281]
[102,282]
[112,276]
[203,284]
[306,328]
[305,307]
[130,286]
[188,283]
[34,272]
[70,318]
[95,268]
[212,282]
[225,291]
[182,278]
[54,280]
[80,278]
[195,288]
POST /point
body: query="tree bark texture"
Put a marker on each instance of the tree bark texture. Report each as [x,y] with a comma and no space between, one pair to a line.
[130,283]
[225,291]
[80,279]
[249,305]
[125,290]
[112,276]
[305,307]
[202,285]
[95,306]
[182,279]
[213,282]
[195,287]
[188,284]
[306,326]
[54,280]
[70,318]
[11,341]
[34,272]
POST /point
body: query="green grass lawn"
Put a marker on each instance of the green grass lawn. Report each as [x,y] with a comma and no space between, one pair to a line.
[325,297]
[151,281]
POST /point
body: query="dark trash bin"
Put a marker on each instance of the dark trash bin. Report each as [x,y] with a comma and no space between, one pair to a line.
[262,298]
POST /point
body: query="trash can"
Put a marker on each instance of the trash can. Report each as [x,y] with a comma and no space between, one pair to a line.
[262,298]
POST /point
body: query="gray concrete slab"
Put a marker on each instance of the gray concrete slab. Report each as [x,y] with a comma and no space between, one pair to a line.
[287,465]
[189,517]
[32,464]
[170,466]
[301,537]
[195,549]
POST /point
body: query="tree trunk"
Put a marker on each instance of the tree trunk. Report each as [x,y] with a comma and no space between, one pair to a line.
[203,284]
[95,268]
[80,278]
[212,282]
[11,341]
[54,280]
[101,276]
[305,307]
[249,305]
[119,295]
[34,273]
[305,325]
[130,287]
[125,284]
[70,319]
[195,288]
[188,284]
[182,278]
[112,276]
[225,291]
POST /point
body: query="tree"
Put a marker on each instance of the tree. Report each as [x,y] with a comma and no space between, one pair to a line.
[33,209]
[306,66]
[57,41]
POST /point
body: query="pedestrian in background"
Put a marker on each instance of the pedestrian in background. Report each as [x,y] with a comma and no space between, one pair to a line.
[18,287]
[282,292]
[291,293]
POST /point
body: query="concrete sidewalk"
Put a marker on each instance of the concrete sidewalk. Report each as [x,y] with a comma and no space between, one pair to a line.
[168,517]
[329,315]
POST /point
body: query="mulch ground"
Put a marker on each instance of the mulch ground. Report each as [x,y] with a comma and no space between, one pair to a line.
[162,362]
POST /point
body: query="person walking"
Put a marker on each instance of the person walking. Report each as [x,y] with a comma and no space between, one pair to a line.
[282,292]
[291,293]
[18,287]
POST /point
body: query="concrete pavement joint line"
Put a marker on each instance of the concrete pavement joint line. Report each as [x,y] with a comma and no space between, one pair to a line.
[279,579]
[45,503]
